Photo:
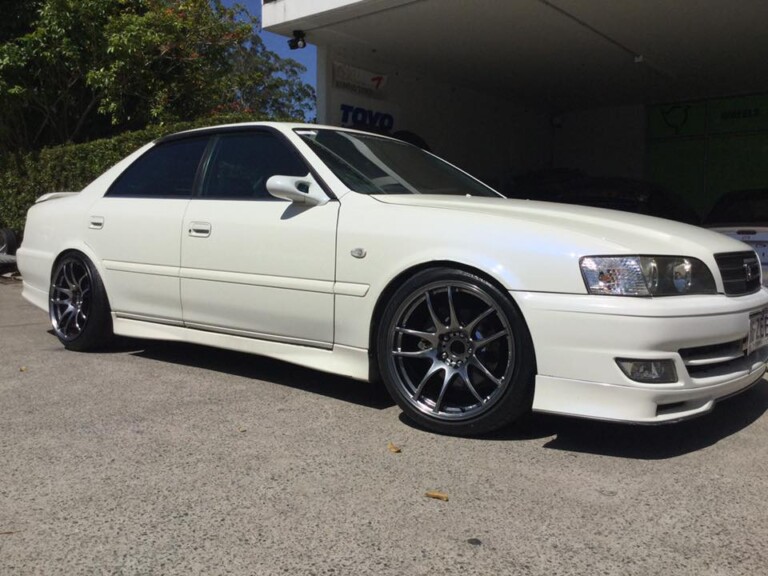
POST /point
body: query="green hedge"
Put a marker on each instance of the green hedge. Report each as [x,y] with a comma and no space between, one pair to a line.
[72,166]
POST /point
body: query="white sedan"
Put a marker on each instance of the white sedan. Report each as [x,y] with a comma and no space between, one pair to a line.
[364,256]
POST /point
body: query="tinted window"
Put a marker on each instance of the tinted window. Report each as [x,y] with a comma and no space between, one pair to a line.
[164,171]
[242,163]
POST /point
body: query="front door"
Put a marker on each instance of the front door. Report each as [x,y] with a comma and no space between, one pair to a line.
[253,265]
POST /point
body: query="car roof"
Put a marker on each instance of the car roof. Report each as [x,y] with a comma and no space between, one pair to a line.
[239,126]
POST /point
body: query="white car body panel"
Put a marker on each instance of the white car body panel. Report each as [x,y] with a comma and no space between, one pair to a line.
[341,360]
[579,339]
[267,268]
[138,241]
[301,283]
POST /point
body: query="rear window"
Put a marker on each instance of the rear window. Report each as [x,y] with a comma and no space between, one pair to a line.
[166,170]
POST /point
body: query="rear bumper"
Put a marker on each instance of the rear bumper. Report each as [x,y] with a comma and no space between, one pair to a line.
[578,338]
[35,268]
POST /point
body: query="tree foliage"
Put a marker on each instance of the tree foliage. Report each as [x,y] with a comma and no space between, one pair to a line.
[18,16]
[80,69]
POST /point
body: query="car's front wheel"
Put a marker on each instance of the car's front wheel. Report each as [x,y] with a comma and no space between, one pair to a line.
[455,353]
[78,305]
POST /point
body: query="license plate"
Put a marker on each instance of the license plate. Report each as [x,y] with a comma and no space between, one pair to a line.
[758,334]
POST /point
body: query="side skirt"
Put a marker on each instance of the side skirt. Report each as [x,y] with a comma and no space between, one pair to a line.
[341,360]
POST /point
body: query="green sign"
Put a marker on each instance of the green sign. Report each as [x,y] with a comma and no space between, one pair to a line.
[746,114]
[703,150]
[681,119]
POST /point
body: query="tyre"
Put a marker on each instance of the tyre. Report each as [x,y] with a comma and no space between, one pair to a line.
[455,353]
[8,242]
[78,304]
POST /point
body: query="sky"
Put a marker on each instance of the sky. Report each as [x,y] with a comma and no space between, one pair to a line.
[279,44]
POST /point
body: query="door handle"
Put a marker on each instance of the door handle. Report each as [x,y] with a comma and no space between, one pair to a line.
[96,222]
[200,229]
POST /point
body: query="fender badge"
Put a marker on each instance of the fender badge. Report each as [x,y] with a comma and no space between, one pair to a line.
[358,253]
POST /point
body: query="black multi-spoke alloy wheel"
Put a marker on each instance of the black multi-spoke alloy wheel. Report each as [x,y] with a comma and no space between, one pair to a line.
[78,304]
[455,353]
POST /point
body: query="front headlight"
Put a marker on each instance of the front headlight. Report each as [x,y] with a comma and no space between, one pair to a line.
[646,275]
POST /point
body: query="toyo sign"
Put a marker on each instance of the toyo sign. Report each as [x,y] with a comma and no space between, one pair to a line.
[370,118]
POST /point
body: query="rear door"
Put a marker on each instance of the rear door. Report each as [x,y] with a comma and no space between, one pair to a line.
[253,265]
[135,230]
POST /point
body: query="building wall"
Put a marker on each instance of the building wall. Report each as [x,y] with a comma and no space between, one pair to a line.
[485,134]
[601,142]
[488,135]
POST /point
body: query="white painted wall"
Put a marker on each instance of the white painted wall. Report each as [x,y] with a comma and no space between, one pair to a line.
[284,16]
[279,11]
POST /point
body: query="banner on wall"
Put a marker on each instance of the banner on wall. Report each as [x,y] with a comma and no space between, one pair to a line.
[359,81]
[723,115]
[744,114]
[704,149]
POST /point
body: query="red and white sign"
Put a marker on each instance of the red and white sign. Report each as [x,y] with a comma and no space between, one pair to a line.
[359,81]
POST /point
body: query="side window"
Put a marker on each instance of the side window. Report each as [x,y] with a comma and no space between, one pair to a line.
[242,162]
[164,171]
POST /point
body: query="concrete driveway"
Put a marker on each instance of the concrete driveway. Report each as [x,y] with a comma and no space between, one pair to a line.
[159,458]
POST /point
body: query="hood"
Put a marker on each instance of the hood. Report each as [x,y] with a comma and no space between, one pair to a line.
[617,232]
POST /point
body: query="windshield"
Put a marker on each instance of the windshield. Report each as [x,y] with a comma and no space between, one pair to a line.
[374,165]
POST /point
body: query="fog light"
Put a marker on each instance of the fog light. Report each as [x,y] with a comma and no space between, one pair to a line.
[649,371]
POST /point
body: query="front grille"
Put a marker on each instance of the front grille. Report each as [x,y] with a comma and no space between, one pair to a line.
[740,272]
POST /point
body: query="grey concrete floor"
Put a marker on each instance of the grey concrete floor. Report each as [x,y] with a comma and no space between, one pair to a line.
[159,458]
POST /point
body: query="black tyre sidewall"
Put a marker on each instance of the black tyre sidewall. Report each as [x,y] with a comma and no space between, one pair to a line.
[97,333]
[516,399]
[9,241]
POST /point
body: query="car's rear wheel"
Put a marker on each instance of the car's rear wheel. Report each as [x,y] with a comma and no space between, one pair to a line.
[78,305]
[455,353]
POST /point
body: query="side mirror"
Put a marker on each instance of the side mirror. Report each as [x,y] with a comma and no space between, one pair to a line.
[298,189]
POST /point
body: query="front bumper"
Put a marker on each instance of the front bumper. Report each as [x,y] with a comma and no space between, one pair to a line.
[577,339]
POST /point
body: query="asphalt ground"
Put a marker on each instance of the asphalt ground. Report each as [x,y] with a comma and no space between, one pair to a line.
[158,458]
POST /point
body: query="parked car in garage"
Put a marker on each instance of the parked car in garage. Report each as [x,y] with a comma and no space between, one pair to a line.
[743,215]
[626,194]
[366,256]
[8,242]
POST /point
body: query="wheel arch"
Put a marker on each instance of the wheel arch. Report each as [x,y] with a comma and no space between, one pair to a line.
[88,324]
[84,250]
[386,294]
[77,247]
[65,252]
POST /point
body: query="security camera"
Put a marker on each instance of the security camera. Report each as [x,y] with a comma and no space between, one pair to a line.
[298,41]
